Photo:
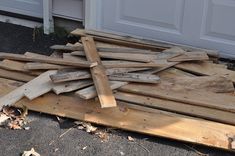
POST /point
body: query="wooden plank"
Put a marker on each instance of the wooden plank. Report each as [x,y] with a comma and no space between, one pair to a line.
[13,66]
[39,86]
[90,92]
[69,75]
[44,66]
[197,111]
[190,56]
[45,59]
[216,84]
[205,68]
[132,56]
[68,56]
[193,97]
[31,86]
[103,49]
[98,73]
[156,122]
[135,77]
[71,86]
[14,75]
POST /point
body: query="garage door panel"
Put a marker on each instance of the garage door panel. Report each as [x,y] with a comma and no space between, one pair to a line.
[26,7]
[219,20]
[135,15]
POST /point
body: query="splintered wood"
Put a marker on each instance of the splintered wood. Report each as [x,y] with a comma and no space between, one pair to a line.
[160,89]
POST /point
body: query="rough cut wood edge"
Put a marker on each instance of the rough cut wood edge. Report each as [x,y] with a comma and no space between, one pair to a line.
[98,73]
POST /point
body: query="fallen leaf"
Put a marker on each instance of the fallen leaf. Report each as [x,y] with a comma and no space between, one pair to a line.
[103,136]
[3,119]
[32,152]
[130,138]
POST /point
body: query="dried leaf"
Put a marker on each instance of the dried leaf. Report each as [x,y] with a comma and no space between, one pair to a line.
[130,138]
[3,119]
[32,152]
[103,136]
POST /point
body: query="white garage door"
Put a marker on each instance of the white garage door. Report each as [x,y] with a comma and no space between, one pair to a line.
[32,8]
[202,23]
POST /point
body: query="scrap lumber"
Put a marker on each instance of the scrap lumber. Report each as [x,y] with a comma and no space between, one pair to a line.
[159,123]
[102,49]
[90,92]
[99,76]
[190,56]
[193,97]
[135,77]
[69,75]
[138,43]
[216,84]
[45,59]
[204,68]
[69,56]
[122,56]
[39,86]
[13,66]
[178,107]
[43,66]
[15,75]
[71,86]
[32,89]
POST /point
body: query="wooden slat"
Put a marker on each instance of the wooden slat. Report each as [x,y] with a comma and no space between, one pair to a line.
[204,68]
[156,123]
[138,43]
[184,108]
[13,65]
[44,60]
[90,92]
[39,86]
[14,75]
[98,73]
[29,88]
[71,86]
[190,56]
[135,77]
[44,66]
[193,97]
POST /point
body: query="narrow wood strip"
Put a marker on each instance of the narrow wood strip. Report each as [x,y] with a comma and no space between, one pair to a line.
[43,66]
[71,86]
[44,60]
[90,92]
[14,75]
[193,97]
[98,73]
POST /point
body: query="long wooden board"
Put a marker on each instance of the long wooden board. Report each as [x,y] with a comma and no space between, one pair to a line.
[183,108]
[44,60]
[15,75]
[71,86]
[90,92]
[156,123]
[205,68]
[194,97]
[98,73]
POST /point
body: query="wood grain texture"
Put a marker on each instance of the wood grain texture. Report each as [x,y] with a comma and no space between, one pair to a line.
[193,97]
[156,122]
[98,73]
[44,59]
[183,108]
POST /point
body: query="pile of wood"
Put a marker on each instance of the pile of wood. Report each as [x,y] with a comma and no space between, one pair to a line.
[149,87]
